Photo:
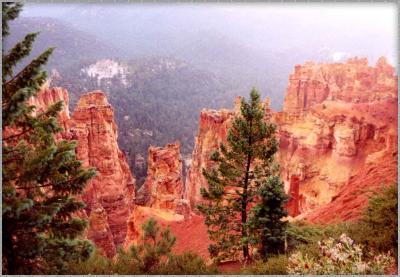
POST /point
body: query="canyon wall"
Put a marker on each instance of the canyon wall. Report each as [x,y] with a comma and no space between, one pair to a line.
[337,135]
[48,96]
[334,119]
[354,81]
[109,196]
[113,189]
[213,130]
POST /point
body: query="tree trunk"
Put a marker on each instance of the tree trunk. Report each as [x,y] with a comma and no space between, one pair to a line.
[8,251]
[244,208]
[244,200]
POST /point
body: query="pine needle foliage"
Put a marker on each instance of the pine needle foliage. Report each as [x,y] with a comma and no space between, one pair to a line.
[245,166]
[41,175]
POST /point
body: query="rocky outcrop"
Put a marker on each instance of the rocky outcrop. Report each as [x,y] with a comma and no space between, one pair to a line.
[354,81]
[331,125]
[48,96]
[109,196]
[328,144]
[213,130]
[325,140]
[379,170]
[99,230]
[213,127]
[191,234]
[92,125]
[163,188]
[293,204]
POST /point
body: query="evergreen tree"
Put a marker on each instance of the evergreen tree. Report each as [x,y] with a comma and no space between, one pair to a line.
[265,221]
[243,167]
[41,176]
[157,245]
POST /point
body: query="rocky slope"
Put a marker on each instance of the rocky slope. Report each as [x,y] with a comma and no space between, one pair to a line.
[325,141]
[48,96]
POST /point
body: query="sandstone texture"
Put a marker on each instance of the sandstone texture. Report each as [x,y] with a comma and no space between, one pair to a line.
[336,119]
[213,128]
[191,234]
[354,81]
[92,125]
[99,230]
[338,142]
[329,139]
[164,188]
[109,196]
[48,96]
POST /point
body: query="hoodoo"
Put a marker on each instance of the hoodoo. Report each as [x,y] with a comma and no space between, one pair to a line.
[109,196]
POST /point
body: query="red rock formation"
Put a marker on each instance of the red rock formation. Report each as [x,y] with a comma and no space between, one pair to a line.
[293,204]
[92,125]
[213,127]
[99,230]
[163,188]
[332,123]
[110,195]
[380,170]
[191,234]
[335,117]
[48,96]
[353,81]
[332,141]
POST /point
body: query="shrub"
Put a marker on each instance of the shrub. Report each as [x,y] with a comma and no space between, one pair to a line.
[152,256]
[96,264]
[343,257]
[186,263]
[275,265]
[379,224]
[155,248]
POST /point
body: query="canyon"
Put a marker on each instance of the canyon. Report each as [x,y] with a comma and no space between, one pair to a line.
[338,141]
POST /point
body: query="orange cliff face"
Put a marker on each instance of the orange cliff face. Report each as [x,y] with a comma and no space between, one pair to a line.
[48,96]
[331,150]
[109,196]
[353,81]
[339,117]
[113,189]
[162,198]
[213,130]
[164,188]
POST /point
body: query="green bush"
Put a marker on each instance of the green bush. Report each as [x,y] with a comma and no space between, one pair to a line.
[275,265]
[96,264]
[186,264]
[152,256]
[379,225]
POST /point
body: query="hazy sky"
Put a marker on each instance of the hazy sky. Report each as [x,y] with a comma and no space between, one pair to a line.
[378,21]
[257,42]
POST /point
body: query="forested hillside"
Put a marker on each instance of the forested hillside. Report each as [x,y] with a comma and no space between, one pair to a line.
[159,103]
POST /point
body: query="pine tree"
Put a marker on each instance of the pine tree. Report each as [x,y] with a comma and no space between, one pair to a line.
[41,176]
[234,185]
[157,245]
[265,222]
